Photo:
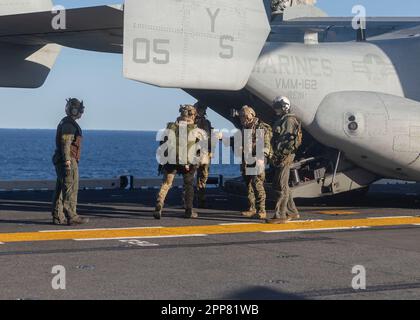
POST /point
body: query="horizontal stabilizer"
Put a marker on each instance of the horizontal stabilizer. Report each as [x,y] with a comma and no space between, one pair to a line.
[190,44]
[9,7]
[26,66]
[406,33]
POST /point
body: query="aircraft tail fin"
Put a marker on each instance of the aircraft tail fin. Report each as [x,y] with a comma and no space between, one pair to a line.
[190,44]
[303,11]
[25,66]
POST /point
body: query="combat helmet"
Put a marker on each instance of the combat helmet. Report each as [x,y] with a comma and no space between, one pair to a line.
[247,115]
[247,110]
[187,111]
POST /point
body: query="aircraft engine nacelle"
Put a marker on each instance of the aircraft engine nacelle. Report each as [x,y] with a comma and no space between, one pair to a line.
[25,65]
[377,131]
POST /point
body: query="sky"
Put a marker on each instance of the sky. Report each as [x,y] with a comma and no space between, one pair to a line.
[115,103]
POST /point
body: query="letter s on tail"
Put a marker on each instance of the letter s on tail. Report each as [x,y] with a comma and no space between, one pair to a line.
[190,44]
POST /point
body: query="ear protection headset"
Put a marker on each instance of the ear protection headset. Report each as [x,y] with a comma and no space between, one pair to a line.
[74,108]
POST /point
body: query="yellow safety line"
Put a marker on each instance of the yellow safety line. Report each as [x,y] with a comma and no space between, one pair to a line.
[208,229]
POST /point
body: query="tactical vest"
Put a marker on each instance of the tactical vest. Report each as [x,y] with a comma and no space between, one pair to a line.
[284,142]
[258,125]
[174,126]
[76,145]
[204,124]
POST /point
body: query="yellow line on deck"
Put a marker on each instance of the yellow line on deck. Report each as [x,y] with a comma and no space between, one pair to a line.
[208,229]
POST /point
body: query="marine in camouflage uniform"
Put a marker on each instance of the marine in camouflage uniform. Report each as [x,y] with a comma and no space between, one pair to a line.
[255,183]
[285,131]
[188,114]
[204,167]
[66,161]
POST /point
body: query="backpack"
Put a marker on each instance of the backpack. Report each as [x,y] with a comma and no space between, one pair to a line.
[268,136]
[299,137]
[174,126]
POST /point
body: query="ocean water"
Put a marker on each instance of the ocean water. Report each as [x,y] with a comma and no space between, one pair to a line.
[27,154]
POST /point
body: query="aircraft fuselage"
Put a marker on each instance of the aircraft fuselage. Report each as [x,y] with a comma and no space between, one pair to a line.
[373,82]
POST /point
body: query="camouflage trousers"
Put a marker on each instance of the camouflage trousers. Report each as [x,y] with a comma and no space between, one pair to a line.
[202,177]
[256,192]
[168,179]
[66,191]
[285,203]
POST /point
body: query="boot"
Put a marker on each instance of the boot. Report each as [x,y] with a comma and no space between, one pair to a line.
[278,219]
[77,220]
[190,214]
[293,215]
[262,215]
[249,213]
[158,212]
[59,222]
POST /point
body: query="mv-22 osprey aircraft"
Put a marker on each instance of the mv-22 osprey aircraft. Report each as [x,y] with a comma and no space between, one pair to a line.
[356,92]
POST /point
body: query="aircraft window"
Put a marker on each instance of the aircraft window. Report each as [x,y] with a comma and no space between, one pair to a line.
[353,126]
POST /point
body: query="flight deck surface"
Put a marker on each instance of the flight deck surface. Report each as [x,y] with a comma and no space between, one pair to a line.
[124,253]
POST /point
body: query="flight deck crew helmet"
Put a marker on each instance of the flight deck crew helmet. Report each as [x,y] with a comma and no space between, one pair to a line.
[282,104]
[74,107]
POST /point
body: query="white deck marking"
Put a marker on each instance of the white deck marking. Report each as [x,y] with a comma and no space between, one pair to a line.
[320,229]
[145,237]
[135,242]
[236,223]
[393,217]
[100,229]
[301,221]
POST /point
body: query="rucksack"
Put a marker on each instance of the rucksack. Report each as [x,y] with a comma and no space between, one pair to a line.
[174,126]
[299,137]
